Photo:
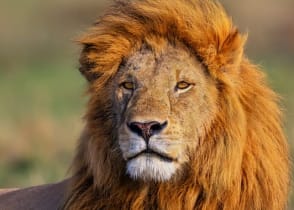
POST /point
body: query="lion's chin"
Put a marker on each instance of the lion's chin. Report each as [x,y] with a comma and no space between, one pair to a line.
[150,168]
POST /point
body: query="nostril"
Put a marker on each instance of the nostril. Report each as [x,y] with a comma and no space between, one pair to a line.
[156,127]
[146,130]
[134,127]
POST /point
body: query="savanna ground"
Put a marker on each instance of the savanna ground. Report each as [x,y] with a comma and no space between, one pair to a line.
[42,93]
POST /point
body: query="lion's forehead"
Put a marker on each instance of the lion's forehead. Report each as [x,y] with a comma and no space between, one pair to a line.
[170,64]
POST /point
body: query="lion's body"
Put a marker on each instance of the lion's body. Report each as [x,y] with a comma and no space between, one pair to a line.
[178,118]
[45,197]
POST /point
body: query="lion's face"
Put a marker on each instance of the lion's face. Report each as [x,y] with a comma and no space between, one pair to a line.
[163,103]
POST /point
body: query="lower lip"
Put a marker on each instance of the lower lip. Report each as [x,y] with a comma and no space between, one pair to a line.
[162,157]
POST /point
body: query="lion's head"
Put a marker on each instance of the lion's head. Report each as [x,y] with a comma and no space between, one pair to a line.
[163,102]
[175,106]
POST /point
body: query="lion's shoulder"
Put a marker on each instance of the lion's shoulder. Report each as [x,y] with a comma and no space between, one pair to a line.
[45,197]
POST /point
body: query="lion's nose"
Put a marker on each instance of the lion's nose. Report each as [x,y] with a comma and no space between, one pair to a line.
[146,129]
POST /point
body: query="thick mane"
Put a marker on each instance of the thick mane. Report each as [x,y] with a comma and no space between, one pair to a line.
[242,159]
[202,25]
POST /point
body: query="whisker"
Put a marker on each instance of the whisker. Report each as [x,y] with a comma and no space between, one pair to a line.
[172,142]
[115,150]
[129,139]
[165,138]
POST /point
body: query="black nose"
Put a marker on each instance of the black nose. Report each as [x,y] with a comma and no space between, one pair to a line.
[147,129]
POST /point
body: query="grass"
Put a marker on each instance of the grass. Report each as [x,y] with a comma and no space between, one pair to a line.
[41,113]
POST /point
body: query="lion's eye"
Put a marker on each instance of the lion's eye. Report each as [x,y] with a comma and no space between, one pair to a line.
[128,85]
[183,85]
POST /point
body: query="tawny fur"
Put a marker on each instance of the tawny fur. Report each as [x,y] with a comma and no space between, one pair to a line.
[242,161]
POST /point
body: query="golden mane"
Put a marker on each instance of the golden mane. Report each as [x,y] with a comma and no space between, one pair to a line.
[242,161]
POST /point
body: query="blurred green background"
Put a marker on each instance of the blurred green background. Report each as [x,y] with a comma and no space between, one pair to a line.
[42,93]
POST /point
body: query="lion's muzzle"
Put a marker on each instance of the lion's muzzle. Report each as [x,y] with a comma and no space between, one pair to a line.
[147,150]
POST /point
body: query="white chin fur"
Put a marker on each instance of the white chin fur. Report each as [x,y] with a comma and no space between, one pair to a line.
[150,168]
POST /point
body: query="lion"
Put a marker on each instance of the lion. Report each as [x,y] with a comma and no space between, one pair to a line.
[178,117]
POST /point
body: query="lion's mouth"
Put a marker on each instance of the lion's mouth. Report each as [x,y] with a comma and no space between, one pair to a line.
[150,152]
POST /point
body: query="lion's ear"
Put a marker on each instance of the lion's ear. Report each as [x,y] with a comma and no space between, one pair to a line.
[88,65]
[223,58]
[102,54]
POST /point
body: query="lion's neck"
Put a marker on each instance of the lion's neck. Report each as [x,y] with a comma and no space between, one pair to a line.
[128,194]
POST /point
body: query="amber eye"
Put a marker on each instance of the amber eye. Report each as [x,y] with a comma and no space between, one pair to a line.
[183,85]
[128,85]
